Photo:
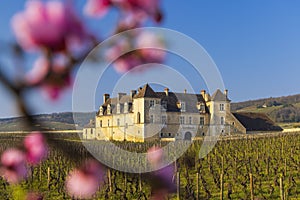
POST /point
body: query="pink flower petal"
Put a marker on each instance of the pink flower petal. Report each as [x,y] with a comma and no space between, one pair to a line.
[47,24]
[97,8]
[36,147]
[13,165]
[84,182]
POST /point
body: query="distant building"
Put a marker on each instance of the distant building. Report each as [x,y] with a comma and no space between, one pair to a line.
[145,115]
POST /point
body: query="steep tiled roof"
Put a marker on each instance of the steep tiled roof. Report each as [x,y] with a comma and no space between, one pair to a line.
[146,91]
[219,96]
[114,101]
[191,100]
[256,121]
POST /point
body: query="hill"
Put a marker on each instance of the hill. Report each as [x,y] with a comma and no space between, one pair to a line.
[279,109]
[54,121]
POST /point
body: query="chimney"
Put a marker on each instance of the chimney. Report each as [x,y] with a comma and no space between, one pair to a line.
[105,97]
[206,98]
[184,91]
[167,91]
[120,95]
[226,93]
[132,93]
[203,93]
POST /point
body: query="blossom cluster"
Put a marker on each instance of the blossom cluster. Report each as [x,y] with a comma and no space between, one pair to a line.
[15,162]
[59,34]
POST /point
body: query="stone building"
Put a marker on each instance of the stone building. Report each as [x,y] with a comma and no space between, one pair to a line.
[145,115]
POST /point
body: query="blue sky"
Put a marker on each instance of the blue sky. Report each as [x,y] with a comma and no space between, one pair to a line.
[255,44]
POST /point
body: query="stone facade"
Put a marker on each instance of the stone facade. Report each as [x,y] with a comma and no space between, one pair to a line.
[145,115]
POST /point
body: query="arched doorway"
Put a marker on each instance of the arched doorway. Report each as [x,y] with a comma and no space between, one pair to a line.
[188,136]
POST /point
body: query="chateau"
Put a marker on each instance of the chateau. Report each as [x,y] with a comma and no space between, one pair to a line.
[145,115]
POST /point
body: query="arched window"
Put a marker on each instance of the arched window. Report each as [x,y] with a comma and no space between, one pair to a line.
[138,118]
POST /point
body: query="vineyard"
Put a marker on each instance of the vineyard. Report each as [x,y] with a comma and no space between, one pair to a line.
[240,168]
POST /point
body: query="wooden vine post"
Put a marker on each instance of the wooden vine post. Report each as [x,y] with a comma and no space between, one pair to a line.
[178,185]
[281,188]
[221,187]
[140,183]
[197,185]
[48,177]
[109,180]
[251,186]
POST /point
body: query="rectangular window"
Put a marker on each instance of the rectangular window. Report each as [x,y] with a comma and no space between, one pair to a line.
[151,103]
[108,123]
[151,119]
[164,119]
[222,120]
[183,107]
[222,107]
[181,120]
[201,121]
[190,120]
[100,123]
[118,122]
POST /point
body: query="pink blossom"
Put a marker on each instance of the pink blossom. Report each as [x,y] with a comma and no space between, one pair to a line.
[136,10]
[48,24]
[151,46]
[36,147]
[151,8]
[97,8]
[13,165]
[53,88]
[126,63]
[148,50]
[155,155]
[38,72]
[84,182]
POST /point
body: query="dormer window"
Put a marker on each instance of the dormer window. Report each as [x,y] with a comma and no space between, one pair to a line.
[125,107]
[108,109]
[183,107]
[118,108]
[201,107]
[101,110]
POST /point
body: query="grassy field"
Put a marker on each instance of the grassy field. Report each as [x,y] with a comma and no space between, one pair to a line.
[229,166]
